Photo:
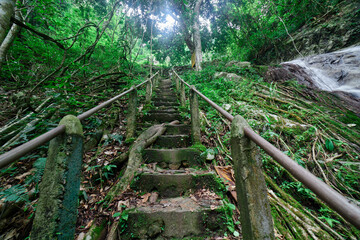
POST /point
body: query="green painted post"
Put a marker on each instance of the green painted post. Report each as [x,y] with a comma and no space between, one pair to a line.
[56,211]
[255,213]
[182,94]
[131,116]
[195,116]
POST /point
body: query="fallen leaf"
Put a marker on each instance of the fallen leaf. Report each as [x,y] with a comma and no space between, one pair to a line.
[145,197]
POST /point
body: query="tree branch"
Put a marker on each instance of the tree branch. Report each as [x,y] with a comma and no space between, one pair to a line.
[44,36]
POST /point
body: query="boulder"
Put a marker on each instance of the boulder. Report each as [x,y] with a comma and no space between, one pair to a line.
[229,76]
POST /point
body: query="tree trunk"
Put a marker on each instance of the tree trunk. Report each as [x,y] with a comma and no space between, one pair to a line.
[197,38]
[9,39]
[7,8]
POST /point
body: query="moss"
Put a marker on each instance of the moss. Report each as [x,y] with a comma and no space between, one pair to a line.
[350,117]
[96,231]
[199,147]
[210,181]
[130,140]
[72,124]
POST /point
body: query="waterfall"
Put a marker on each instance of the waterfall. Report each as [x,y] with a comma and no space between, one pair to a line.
[336,71]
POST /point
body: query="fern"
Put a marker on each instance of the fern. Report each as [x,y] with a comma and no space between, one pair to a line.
[39,165]
[15,194]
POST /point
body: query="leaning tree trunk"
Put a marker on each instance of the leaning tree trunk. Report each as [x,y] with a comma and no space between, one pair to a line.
[7,8]
[197,38]
[10,37]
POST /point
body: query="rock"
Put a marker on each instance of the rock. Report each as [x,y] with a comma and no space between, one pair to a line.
[339,31]
[229,76]
[210,155]
[226,107]
[153,197]
[155,229]
[81,236]
[334,72]
[238,64]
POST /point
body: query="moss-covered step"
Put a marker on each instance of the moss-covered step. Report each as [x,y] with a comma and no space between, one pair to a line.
[174,158]
[167,93]
[164,110]
[165,99]
[182,129]
[172,141]
[164,87]
[176,218]
[177,129]
[162,117]
[172,104]
[175,183]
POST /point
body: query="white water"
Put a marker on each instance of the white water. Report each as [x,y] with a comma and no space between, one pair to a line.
[336,71]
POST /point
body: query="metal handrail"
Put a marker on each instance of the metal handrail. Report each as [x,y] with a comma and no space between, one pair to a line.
[335,200]
[23,149]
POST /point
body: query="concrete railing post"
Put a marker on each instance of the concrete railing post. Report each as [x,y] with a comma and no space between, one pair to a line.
[149,90]
[177,84]
[182,94]
[56,211]
[158,77]
[255,213]
[131,116]
[195,116]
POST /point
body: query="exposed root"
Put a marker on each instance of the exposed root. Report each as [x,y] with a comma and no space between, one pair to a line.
[147,138]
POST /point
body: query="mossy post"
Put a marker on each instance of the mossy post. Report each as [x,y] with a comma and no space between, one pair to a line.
[149,89]
[158,78]
[154,81]
[195,116]
[177,84]
[182,94]
[131,116]
[56,211]
[255,213]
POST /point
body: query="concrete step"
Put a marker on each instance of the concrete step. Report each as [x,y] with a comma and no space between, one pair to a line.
[162,117]
[163,110]
[176,183]
[172,141]
[171,104]
[177,129]
[176,218]
[182,129]
[165,99]
[166,87]
[170,92]
[174,158]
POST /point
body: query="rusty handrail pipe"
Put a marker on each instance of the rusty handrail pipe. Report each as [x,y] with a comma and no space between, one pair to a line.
[332,198]
[23,149]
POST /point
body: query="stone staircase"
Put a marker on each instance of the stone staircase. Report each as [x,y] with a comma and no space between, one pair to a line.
[185,201]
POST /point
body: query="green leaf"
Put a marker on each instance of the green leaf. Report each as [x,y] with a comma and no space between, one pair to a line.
[330,221]
[231,229]
[125,216]
[329,145]
[231,206]
[236,233]
[116,215]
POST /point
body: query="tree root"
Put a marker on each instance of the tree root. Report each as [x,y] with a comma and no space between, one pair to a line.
[135,158]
